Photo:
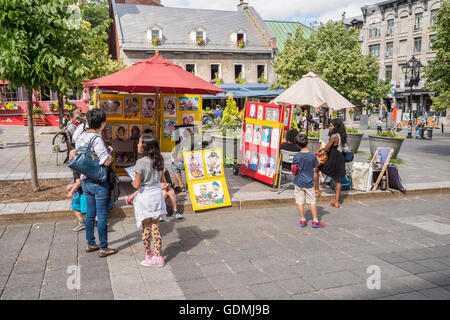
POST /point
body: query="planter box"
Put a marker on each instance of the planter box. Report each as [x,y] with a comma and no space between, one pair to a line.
[376,142]
[354,141]
[313,144]
[207,134]
[229,145]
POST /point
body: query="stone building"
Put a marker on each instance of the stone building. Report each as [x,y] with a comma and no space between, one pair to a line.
[394,31]
[201,41]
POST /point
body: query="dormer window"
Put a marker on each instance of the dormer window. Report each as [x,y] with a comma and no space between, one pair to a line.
[239,38]
[154,34]
[200,37]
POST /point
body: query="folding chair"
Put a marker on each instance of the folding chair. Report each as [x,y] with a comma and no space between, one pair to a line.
[286,157]
[386,155]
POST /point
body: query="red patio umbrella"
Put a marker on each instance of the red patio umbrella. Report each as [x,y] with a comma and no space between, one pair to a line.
[154,75]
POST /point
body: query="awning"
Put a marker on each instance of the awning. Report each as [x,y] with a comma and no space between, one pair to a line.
[3,82]
[239,90]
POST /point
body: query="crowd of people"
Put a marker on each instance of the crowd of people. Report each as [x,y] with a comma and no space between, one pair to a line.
[92,200]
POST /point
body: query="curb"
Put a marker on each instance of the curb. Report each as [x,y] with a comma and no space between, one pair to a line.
[186,208]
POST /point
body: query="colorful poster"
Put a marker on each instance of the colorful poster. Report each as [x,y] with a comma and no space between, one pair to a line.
[261,141]
[248,133]
[188,118]
[208,191]
[107,133]
[135,131]
[148,108]
[120,132]
[213,163]
[170,107]
[112,107]
[189,103]
[149,129]
[131,107]
[194,163]
[169,128]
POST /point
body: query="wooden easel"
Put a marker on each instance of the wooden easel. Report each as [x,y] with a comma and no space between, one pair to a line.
[382,171]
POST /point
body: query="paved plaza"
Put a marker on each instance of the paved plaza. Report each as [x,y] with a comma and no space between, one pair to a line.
[250,254]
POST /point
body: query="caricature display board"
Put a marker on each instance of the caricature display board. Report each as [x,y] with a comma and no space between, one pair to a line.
[260,144]
[178,110]
[205,177]
[127,117]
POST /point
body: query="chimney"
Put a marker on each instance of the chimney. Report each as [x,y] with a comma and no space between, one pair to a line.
[343,16]
[242,5]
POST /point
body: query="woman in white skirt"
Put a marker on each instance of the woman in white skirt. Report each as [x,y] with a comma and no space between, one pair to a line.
[149,204]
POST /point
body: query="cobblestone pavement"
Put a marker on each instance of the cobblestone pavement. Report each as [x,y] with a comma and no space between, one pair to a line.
[252,254]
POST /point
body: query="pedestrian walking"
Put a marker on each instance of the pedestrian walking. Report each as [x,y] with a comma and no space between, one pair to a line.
[149,204]
[335,165]
[98,194]
[305,166]
[379,125]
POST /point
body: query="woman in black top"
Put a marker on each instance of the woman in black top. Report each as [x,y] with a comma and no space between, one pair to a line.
[335,165]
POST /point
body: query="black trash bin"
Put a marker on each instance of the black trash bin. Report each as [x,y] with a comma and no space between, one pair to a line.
[428,134]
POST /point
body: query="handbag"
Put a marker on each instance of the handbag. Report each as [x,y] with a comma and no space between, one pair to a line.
[348,156]
[322,156]
[87,163]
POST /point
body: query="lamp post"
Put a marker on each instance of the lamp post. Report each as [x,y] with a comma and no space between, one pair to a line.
[411,69]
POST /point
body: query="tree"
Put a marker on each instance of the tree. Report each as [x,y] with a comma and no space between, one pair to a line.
[96,12]
[333,53]
[39,46]
[438,70]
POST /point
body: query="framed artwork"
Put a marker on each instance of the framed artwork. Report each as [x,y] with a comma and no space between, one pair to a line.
[169,128]
[213,163]
[135,131]
[194,163]
[263,160]
[274,143]
[260,112]
[148,108]
[247,159]
[107,133]
[265,142]
[257,135]
[180,132]
[170,106]
[189,103]
[248,133]
[112,107]
[252,113]
[120,132]
[272,114]
[271,167]
[187,118]
[131,108]
[209,193]
[254,161]
[125,159]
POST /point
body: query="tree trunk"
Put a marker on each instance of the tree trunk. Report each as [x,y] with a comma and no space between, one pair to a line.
[60,108]
[32,149]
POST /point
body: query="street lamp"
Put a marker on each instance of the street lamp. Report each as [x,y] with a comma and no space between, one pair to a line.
[411,69]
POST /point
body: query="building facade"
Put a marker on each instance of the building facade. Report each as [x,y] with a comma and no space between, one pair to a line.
[394,31]
[204,42]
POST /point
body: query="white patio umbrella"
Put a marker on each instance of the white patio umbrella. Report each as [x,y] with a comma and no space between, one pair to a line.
[311,90]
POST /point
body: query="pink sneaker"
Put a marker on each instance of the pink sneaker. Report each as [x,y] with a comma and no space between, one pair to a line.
[153,262]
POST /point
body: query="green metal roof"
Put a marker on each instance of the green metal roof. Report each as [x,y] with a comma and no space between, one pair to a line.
[282,29]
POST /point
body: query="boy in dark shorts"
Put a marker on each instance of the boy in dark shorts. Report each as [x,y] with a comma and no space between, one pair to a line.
[305,163]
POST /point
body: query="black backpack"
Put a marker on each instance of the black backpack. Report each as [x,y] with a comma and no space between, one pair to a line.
[395,182]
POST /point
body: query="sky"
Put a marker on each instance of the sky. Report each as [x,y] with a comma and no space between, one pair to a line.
[304,11]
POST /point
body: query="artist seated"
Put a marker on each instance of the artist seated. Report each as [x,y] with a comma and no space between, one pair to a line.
[177,165]
[289,145]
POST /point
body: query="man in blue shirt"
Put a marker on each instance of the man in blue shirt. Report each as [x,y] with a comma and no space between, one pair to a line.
[218,113]
[307,164]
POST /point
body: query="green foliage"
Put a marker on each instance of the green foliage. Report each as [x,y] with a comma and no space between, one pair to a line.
[437,71]
[294,124]
[229,161]
[333,53]
[353,130]
[313,134]
[95,11]
[10,106]
[231,114]
[388,134]
[262,80]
